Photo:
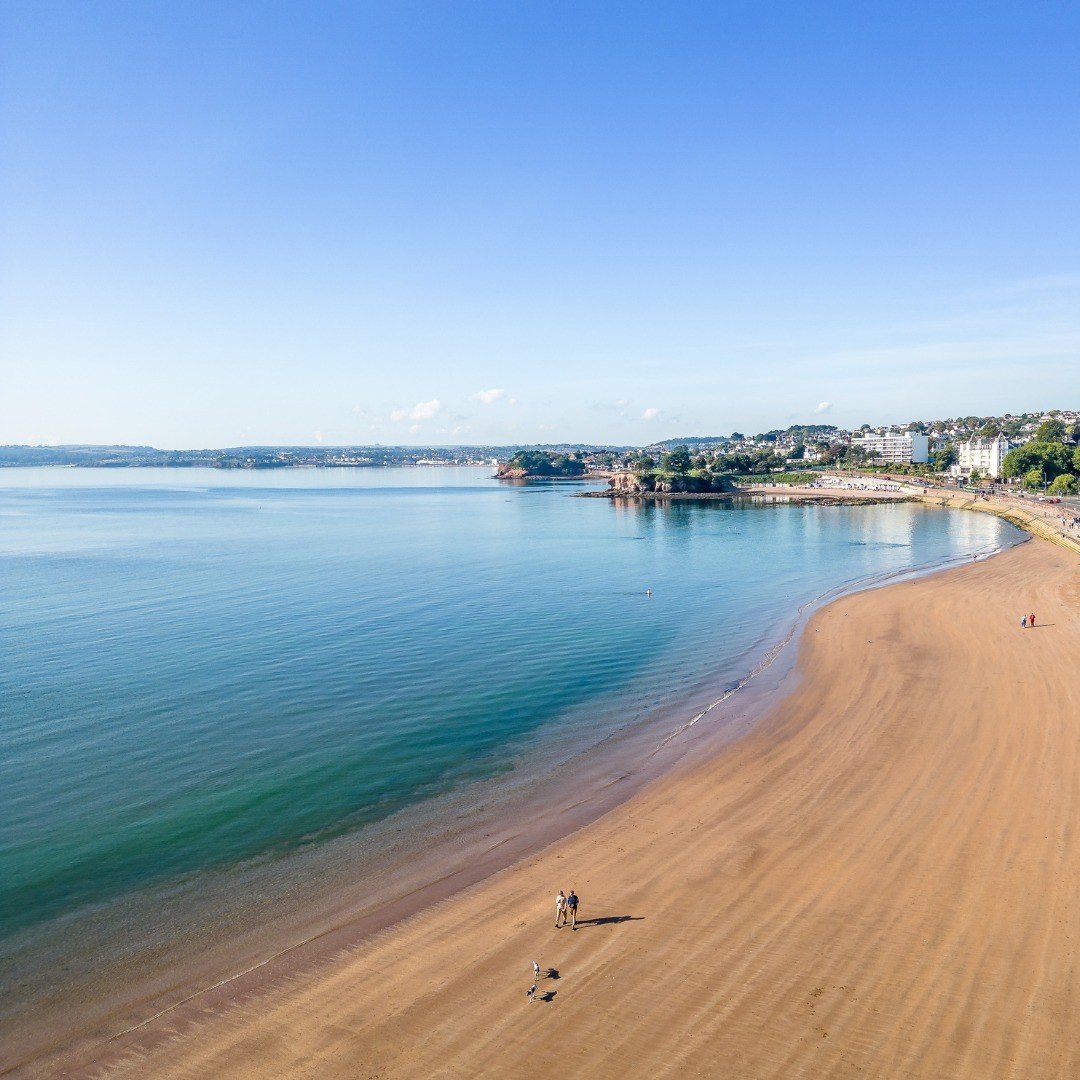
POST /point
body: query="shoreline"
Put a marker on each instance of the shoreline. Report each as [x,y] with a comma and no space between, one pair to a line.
[1008,507]
[760,495]
[612,779]
[860,883]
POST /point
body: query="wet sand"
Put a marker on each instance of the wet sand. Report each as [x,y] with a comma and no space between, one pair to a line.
[883,879]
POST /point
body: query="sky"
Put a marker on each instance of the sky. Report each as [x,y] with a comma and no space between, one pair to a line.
[238,223]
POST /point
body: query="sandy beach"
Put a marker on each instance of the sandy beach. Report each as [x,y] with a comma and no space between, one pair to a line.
[883,879]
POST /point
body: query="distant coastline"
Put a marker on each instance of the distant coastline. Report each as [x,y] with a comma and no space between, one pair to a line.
[244,457]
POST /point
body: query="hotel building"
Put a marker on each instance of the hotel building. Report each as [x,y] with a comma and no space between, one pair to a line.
[894,448]
[986,455]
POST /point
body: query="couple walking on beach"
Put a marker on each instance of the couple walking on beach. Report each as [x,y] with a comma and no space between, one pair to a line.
[566,909]
[1027,620]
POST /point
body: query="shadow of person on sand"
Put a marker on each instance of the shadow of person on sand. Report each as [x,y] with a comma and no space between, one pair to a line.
[608,920]
[551,973]
[548,995]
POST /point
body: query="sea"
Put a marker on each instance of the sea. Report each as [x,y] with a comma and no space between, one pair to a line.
[209,680]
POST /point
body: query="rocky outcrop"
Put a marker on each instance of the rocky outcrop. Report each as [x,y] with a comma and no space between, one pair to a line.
[631,483]
[507,471]
[541,464]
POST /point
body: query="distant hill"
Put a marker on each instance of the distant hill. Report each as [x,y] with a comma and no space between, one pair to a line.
[694,440]
[798,432]
[274,457]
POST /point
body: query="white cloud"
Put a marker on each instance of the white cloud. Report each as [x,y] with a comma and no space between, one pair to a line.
[487,397]
[823,407]
[621,403]
[511,401]
[424,410]
[319,437]
[414,429]
[650,414]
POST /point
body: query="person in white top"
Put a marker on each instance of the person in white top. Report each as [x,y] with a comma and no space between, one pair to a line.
[560,909]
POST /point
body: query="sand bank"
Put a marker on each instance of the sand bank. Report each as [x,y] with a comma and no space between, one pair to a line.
[883,879]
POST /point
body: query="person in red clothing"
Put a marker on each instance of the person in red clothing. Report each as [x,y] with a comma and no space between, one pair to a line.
[1031,619]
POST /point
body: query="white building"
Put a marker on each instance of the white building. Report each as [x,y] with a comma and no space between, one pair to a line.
[986,455]
[894,447]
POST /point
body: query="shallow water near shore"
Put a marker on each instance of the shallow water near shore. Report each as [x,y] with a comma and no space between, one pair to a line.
[216,684]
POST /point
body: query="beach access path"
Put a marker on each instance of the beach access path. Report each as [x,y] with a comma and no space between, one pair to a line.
[882,880]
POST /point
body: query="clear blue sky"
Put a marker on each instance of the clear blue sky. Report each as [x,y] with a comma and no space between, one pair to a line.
[232,223]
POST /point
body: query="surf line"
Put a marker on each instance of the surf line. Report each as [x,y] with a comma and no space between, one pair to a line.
[845,589]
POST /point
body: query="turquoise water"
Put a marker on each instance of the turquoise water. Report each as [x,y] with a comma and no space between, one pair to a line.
[199,669]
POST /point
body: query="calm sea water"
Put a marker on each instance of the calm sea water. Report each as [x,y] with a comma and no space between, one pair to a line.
[200,668]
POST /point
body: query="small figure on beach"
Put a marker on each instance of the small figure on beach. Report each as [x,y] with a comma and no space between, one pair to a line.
[1031,619]
[571,906]
[531,993]
[536,969]
[560,909]
[1023,623]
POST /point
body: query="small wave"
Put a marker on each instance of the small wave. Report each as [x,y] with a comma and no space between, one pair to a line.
[873,581]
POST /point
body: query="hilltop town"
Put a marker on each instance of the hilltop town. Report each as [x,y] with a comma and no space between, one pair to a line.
[1036,450]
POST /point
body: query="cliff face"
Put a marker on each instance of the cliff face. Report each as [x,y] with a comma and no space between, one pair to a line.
[628,483]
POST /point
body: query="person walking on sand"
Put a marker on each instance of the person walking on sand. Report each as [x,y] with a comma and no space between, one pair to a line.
[531,993]
[560,909]
[1023,623]
[1031,619]
[571,906]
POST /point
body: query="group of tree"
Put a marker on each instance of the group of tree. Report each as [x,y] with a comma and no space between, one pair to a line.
[680,462]
[943,457]
[1051,461]
[546,463]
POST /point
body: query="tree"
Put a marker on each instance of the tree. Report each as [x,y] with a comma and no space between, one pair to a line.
[1065,484]
[1033,479]
[643,463]
[943,457]
[975,477]
[798,452]
[1050,431]
[1051,458]
[541,463]
[739,463]
[678,461]
[1076,460]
